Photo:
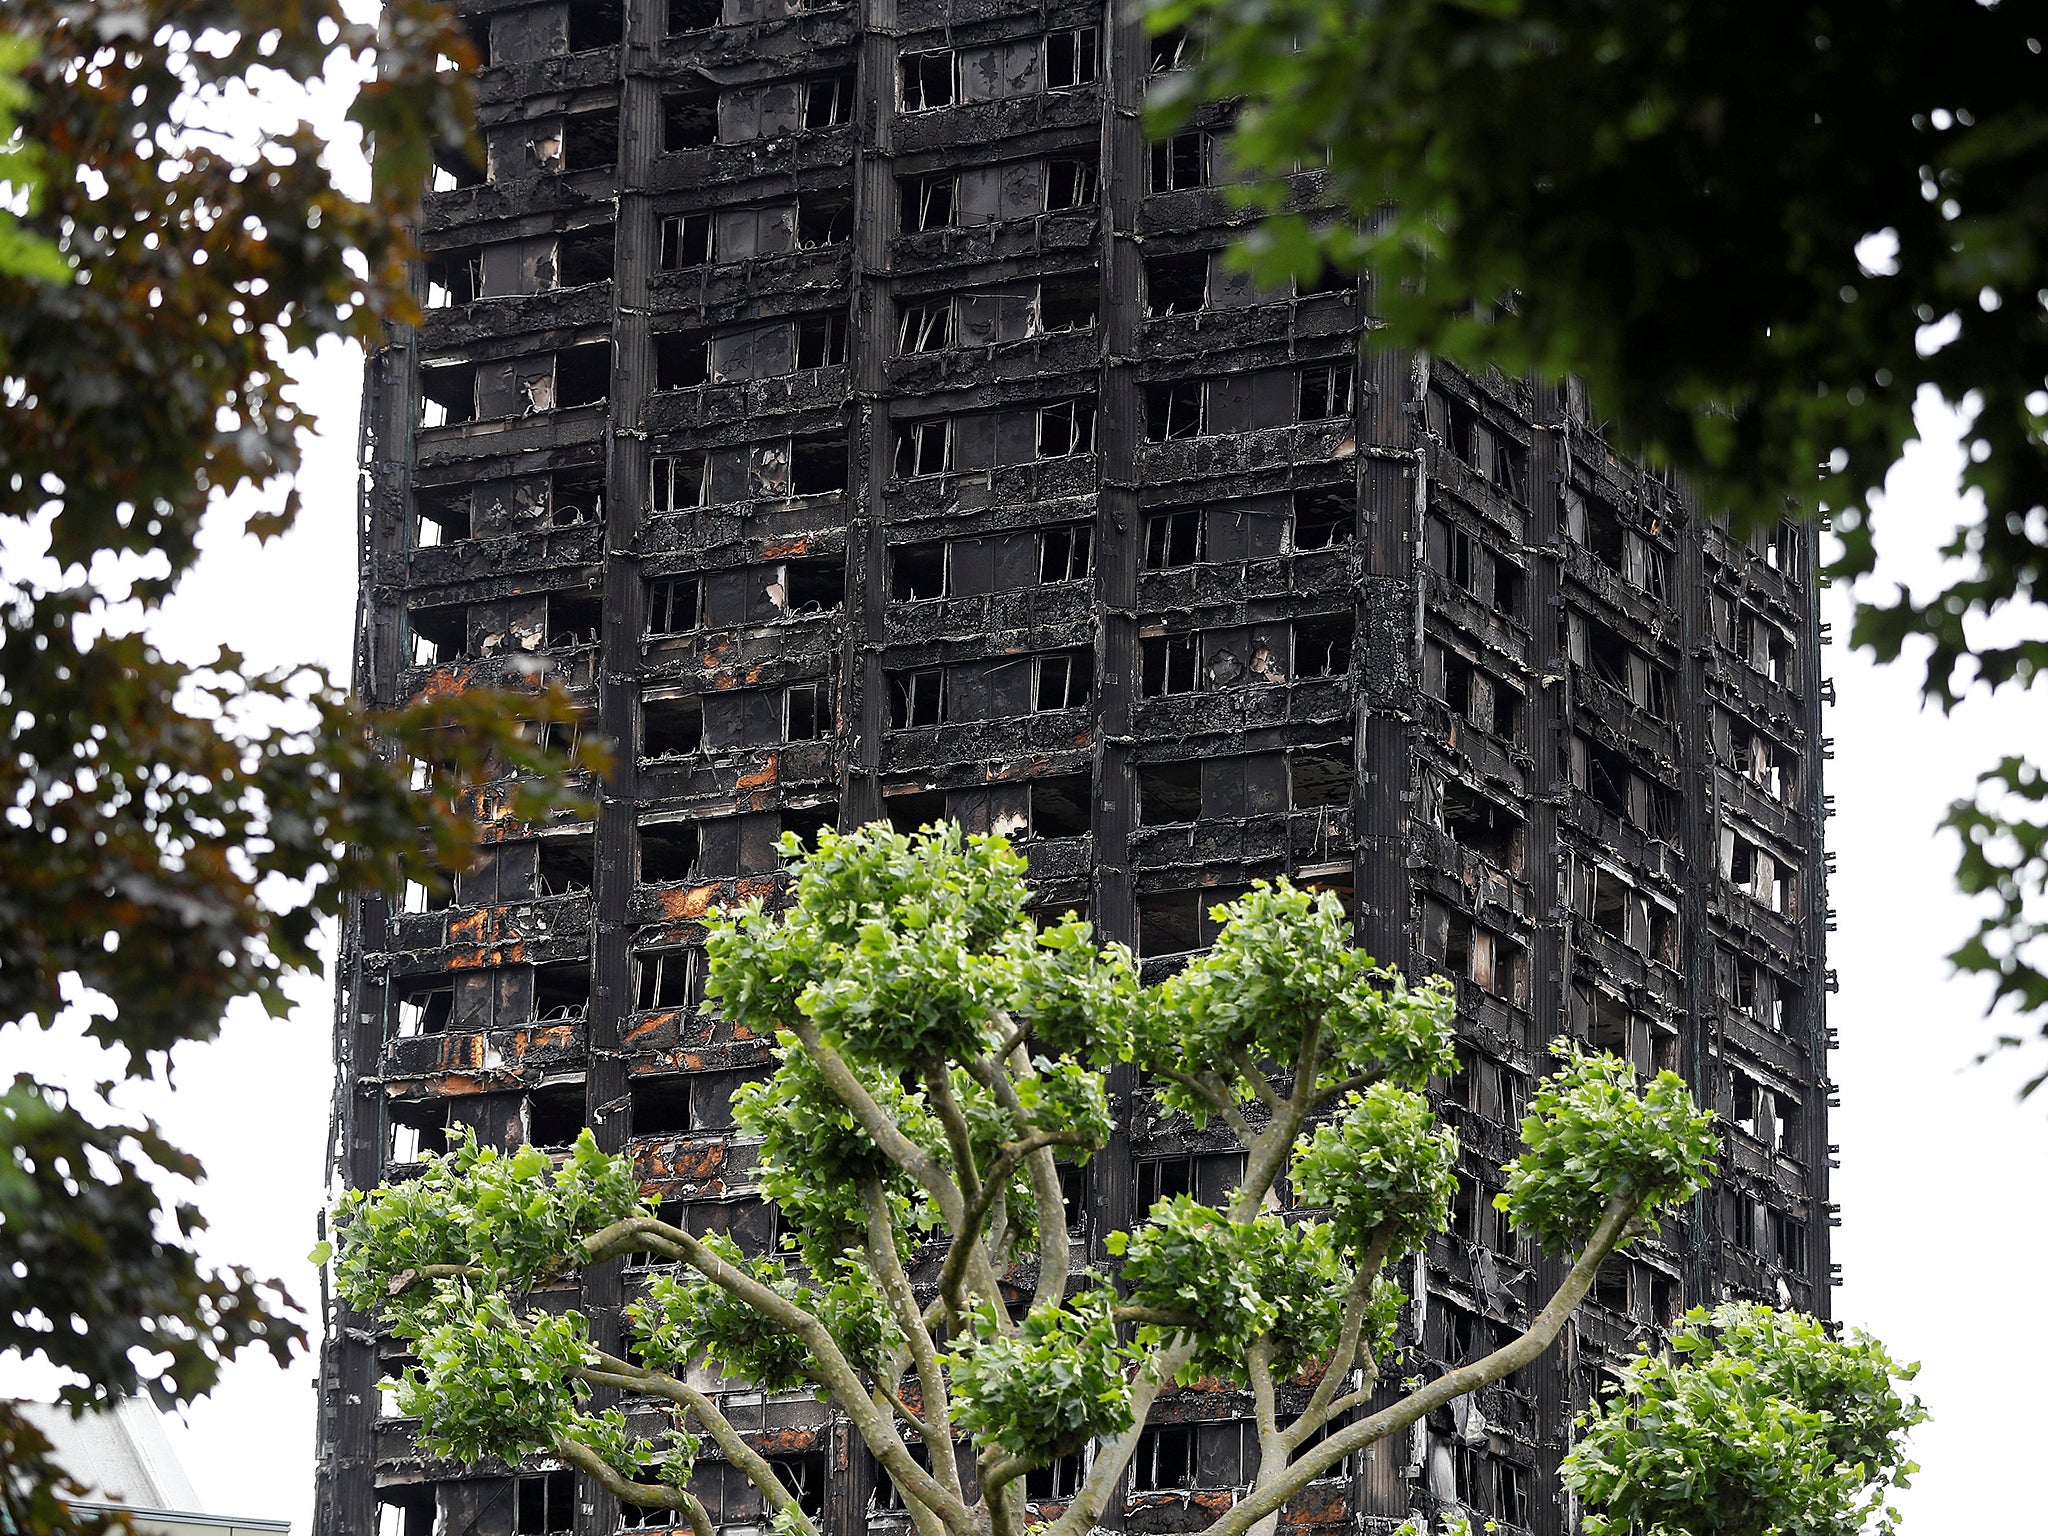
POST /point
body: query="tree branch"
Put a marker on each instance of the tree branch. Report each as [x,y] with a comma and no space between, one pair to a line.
[611,1371]
[1502,1363]
[881,1127]
[1214,1097]
[649,1495]
[935,1427]
[1105,1477]
[1338,1366]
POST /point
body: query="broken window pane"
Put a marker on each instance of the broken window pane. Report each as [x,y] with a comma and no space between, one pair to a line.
[806,712]
[590,140]
[1067,303]
[668,852]
[667,978]
[447,394]
[1322,647]
[544,1505]
[821,339]
[1071,181]
[692,16]
[817,466]
[1063,553]
[1059,806]
[685,240]
[1173,539]
[673,604]
[1066,429]
[916,698]
[828,100]
[689,120]
[1063,682]
[1170,664]
[929,79]
[822,219]
[671,727]
[1319,778]
[1176,285]
[926,202]
[917,571]
[924,327]
[923,447]
[425,1007]
[1324,391]
[1181,161]
[661,1105]
[682,360]
[1175,48]
[1173,410]
[1169,793]
[583,375]
[1070,58]
[1165,1458]
[439,635]
[1325,517]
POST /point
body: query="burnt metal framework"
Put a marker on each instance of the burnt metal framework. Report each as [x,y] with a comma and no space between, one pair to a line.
[854,408]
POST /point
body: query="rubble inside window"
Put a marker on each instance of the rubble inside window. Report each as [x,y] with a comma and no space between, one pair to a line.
[872,426]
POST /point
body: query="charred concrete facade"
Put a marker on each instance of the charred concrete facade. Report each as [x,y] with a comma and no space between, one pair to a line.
[853,408]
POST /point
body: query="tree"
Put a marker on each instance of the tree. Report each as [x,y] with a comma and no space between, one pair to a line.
[938,1057]
[1759,235]
[175,835]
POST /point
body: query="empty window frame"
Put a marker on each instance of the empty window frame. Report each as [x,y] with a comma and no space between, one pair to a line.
[689,120]
[682,359]
[415,1129]
[573,619]
[425,1007]
[596,24]
[1324,391]
[1181,161]
[671,726]
[1071,181]
[1630,553]
[1759,874]
[686,240]
[668,978]
[923,447]
[1062,681]
[454,277]
[679,481]
[821,339]
[1174,409]
[1322,647]
[1763,761]
[1210,1177]
[924,326]
[669,851]
[817,466]
[1479,824]
[590,140]
[807,713]
[447,394]
[1175,48]
[1064,553]
[1067,303]
[683,16]
[1605,776]
[1766,1114]
[828,100]
[544,1505]
[1169,664]
[1165,1459]
[440,517]
[583,375]
[1492,962]
[1607,1023]
[660,1105]
[674,605]
[439,635]
[1470,692]
[1071,58]
[917,698]
[928,79]
[1463,558]
[1174,539]
[1324,518]
[1060,1479]
[1176,285]
[1066,429]
[823,219]
[927,201]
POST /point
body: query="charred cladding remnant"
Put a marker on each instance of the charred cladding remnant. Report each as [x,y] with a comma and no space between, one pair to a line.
[853,407]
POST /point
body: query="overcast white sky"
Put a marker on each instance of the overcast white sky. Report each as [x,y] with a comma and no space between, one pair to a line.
[1943,1176]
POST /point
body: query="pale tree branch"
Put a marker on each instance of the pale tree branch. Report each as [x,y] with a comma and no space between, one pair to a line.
[1499,1365]
[1248,1069]
[1338,1367]
[611,1371]
[833,1371]
[935,1427]
[624,1489]
[881,1128]
[1216,1098]
[1105,1477]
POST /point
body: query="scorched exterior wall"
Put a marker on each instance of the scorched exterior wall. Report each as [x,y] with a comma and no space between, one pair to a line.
[1042,518]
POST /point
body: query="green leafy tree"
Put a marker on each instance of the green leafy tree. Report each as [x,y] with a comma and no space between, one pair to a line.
[175,835]
[938,1055]
[1758,234]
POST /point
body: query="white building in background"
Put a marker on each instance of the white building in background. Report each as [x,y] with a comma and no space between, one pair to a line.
[122,1459]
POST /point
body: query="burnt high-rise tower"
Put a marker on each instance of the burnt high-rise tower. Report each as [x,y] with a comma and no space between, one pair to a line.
[853,408]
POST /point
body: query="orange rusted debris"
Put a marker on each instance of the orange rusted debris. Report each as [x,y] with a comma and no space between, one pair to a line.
[765,775]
